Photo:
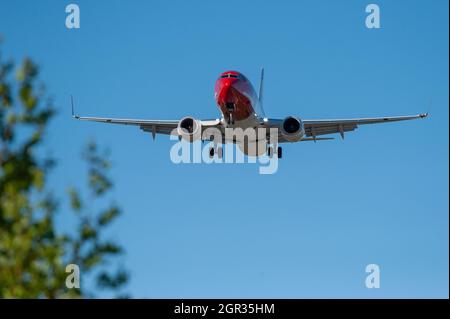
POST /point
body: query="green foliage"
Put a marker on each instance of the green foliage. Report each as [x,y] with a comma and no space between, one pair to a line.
[33,252]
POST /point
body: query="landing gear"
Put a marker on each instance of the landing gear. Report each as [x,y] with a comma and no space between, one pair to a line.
[230,119]
[216,150]
[271,149]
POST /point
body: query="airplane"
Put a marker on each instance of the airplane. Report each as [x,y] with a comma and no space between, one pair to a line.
[241,107]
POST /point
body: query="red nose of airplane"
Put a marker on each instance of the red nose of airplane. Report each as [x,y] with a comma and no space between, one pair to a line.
[225,90]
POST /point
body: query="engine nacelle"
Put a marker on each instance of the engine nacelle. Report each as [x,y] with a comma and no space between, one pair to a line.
[189,129]
[292,129]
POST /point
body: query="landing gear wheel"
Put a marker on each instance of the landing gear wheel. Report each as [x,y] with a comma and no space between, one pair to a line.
[270,151]
[211,152]
[279,152]
[216,150]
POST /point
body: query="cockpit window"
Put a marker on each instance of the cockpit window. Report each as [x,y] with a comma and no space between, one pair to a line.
[229,76]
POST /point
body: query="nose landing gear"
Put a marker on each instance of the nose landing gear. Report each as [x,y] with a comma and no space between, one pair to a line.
[230,119]
[230,108]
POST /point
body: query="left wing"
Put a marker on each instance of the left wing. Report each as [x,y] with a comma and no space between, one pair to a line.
[314,128]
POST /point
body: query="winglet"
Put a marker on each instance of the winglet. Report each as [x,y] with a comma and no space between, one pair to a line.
[424,115]
[261,91]
[73,112]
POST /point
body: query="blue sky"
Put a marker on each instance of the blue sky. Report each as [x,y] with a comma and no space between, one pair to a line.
[380,196]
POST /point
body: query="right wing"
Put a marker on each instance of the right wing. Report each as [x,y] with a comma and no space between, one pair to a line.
[314,128]
[166,127]
[152,126]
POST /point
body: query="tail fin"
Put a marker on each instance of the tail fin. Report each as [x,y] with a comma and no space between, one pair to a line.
[260,96]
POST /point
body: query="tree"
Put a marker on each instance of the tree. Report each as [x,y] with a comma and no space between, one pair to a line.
[33,252]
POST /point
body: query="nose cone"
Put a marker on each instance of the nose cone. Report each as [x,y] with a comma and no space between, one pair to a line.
[225,90]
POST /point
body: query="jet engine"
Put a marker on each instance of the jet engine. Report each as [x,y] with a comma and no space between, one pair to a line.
[189,129]
[292,129]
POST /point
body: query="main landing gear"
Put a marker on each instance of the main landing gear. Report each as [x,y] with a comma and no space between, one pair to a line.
[271,149]
[216,150]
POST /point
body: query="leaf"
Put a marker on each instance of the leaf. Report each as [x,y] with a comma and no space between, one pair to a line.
[75,200]
[105,280]
[98,182]
[108,216]
[38,178]
[27,72]
[87,231]
[108,248]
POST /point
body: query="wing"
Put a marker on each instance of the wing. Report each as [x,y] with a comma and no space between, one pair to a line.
[166,127]
[153,126]
[314,128]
